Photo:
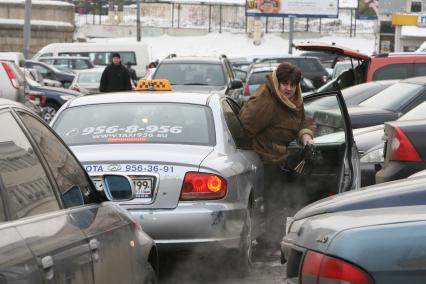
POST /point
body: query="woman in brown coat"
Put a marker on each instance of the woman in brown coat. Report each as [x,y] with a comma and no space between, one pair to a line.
[274,116]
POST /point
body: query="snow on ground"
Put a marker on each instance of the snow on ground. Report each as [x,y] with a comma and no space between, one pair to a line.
[238,45]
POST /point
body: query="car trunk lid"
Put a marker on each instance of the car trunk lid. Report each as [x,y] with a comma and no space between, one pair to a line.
[332,48]
[157,170]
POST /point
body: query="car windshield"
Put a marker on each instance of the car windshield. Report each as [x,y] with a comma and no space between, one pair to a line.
[89,77]
[167,123]
[191,74]
[419,112]
[394,97]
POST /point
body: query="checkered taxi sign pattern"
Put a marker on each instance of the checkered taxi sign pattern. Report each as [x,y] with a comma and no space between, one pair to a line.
[154,85]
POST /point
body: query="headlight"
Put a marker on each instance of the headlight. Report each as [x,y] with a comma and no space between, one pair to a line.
[67,97]
[375,156]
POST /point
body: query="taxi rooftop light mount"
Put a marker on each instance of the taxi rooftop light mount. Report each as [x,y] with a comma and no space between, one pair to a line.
[153,85]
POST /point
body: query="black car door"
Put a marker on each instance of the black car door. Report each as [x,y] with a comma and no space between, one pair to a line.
[336,168]
[110,238]
[31,203]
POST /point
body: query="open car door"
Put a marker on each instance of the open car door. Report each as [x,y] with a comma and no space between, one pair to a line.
[338,168]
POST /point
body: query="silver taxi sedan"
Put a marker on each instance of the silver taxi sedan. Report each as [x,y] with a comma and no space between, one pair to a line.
[197,178]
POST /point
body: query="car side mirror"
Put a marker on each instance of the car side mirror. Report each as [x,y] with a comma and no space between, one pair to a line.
[118,187]
[236,84]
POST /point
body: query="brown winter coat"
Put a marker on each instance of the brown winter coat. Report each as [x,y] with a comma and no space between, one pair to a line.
[273,121]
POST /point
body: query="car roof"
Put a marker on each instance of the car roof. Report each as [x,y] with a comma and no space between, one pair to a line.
[143,96]
[64,57]
[191,59]
[6,103]
[415,80]
[92,70]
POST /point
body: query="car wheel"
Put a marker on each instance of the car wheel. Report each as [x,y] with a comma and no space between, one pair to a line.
[150,276]
[49,111]
[245,256]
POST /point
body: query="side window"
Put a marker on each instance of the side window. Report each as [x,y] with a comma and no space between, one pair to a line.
[393,71]
[235,127]
[41,69]
[25,187]
[419,69]
[71,178]
[80,64]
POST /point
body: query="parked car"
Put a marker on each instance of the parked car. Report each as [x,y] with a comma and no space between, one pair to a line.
[375,235]
[87,81]
[55,98]
[310,66]
[353,95]
[12,82]
[50,72]
[200,74]
[15,57]
[73,63]
[189,156]
[327,59]
[55,225]
[370,68]
[404,150]
[342,66]
[387,105]
[257,77]
[13,87]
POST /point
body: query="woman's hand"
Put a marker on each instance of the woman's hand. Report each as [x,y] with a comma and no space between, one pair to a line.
[307,139]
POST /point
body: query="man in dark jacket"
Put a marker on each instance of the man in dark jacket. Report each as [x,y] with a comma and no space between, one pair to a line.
[274,116]
[115,77]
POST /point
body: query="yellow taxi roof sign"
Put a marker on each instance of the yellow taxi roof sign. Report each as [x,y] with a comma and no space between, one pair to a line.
[153,85]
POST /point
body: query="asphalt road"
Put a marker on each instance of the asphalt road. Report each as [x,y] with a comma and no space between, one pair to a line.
[212,268]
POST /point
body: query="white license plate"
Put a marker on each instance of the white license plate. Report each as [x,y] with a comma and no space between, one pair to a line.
[143,186]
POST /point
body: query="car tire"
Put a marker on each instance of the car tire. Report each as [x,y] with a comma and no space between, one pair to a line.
[49,111]
[150,276]
[245,251]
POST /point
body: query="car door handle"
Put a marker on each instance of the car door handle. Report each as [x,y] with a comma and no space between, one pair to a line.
[94,247]
[47,264]
[94,244]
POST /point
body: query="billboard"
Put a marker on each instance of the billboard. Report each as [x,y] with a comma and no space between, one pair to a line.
[348,4]
[368,9]
[293,8]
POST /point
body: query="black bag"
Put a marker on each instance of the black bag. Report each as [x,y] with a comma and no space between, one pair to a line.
[303,160]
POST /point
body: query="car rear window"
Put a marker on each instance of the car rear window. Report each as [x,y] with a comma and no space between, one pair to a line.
[191,74]
[89,77]
[258,78]
[393,98]
[170,123]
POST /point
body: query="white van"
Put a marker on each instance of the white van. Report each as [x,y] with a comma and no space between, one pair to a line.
[100,53]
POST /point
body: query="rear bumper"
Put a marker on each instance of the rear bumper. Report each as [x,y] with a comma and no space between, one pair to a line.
[191,224]
[398,170]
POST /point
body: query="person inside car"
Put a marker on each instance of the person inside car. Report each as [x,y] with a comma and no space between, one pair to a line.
[274,116]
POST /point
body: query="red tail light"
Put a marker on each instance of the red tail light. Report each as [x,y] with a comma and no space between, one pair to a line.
[43,100]
[320,268]
[402,149]
[35,99]
[203,186]
[247,90]
[10,74]
[75,88]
